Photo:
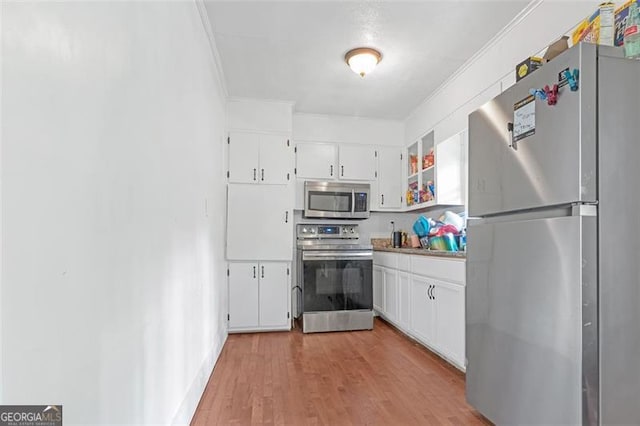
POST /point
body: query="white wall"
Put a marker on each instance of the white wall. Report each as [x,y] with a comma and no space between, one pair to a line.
[113,280]
[259,115]
[493,69]
[345,129]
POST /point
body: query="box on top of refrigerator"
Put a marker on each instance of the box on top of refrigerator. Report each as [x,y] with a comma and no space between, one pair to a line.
[620,22]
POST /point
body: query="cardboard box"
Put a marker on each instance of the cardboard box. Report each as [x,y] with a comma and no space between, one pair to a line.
[605,26]
[527,66]
[556,48]
[620,21]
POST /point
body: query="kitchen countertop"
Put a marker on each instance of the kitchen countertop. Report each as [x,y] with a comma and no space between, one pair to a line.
[423,252]
[383,244]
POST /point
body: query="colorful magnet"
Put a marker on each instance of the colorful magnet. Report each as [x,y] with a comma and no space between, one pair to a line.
[572,79]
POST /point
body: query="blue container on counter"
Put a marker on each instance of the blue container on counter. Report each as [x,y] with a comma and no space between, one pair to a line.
[421,227]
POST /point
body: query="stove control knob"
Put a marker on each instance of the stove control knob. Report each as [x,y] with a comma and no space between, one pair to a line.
[353,231]
[304,230]
[313,230]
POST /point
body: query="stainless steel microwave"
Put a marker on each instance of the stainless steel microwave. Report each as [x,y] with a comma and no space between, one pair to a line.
[336,200]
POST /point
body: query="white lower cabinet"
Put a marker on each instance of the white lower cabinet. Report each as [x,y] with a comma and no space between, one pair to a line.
[427,302]
[378,288]
[243,295]
[259,296]
[450,324]
[390,293]
[423,313]
[404,299]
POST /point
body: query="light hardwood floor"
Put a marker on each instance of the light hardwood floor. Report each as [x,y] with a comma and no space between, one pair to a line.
[349,378]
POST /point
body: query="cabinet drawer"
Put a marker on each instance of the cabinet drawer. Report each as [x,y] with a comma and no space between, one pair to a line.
[388,260]
[404,262]
[452,270]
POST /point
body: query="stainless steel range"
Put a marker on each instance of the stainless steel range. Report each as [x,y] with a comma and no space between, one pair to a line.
[334,273]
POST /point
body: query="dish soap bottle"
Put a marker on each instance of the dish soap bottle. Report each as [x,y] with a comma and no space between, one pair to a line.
[631,34]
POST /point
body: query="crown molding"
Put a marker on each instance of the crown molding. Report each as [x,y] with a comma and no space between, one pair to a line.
[215,54]
[488,46]
[265,100]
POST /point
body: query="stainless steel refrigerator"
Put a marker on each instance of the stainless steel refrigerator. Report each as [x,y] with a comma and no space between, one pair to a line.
[553,263]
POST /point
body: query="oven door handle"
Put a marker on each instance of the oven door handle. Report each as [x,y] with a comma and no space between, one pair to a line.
[337,255]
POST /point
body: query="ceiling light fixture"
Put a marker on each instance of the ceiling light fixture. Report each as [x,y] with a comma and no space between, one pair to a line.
[362,60]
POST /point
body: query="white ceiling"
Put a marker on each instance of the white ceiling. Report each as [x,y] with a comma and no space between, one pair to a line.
[294,50]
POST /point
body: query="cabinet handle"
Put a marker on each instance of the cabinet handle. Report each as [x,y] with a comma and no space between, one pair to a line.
[383,199]
[254,174]
[254,272]
[433,292]
[262,174]
[262,272]
[429,292]
[331,169]
[342,171]
[286,216]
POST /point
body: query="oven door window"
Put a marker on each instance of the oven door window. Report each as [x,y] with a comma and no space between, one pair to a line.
[330,201]
[337,285]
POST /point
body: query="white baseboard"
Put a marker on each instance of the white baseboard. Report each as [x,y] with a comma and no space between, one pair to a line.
[190,402]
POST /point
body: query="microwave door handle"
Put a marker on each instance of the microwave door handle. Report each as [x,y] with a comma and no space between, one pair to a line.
[353,202]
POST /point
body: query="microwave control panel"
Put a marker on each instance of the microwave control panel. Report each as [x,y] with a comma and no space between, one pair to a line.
[311,231]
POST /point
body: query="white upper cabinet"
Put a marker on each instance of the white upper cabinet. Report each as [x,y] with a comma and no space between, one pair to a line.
[276,158]
[259,158]
[244,154]
[259,222]
[357,162]
[389,178]
[450,171]
[316,161]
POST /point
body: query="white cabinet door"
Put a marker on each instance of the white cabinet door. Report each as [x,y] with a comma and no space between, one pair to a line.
[378,289]
[404,300]
[243,295]
[244,157]
[450,171]
[450,320]
[422,322]
[357,162]
[389,178]
[316,161]
[259,222]
[276,160]
[274,292]
[391,294]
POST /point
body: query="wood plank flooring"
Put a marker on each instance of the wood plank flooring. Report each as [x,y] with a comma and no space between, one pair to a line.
[349,378]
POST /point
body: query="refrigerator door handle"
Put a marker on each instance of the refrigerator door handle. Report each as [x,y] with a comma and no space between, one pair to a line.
[512,143]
